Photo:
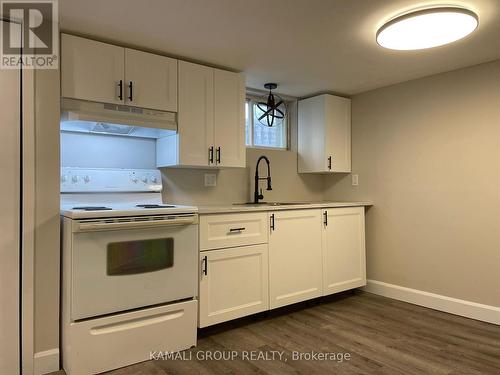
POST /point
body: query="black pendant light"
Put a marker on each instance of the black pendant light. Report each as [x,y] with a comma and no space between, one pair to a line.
[271,109]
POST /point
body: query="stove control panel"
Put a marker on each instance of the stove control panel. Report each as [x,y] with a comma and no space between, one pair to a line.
[103,180]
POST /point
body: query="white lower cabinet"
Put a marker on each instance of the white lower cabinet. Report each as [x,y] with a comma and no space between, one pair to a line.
[295,260]
[308,253]
[343,249]
[233,283]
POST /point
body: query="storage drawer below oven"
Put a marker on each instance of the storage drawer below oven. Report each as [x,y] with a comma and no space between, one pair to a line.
[98,345]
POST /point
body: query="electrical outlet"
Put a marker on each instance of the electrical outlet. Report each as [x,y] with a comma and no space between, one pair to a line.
[210,179]
[354,179]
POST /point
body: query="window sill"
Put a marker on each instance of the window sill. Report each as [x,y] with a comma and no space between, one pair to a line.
[268,148]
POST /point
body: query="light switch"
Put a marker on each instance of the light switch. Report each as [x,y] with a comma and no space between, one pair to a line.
[354,178]
[210,179]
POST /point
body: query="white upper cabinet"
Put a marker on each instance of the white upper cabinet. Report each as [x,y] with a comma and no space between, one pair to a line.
[92,70]
[343,249]
[196,115]
[295,260]
[211,129]
[324,134]
[102,72]
[210,102]
[230,149]
[151,80]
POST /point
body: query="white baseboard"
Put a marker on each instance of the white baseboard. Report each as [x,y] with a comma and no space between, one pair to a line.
[473,310]
[46,362]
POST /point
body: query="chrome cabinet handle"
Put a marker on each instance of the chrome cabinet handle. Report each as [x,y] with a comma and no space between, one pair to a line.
[325,214]
[272,222]
[329,163]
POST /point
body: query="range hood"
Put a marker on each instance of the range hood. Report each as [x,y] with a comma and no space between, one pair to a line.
[115,119]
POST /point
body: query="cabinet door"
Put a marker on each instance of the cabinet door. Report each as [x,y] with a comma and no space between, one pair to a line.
[338,134]
[91,70]
[312,157]
[234,283]
[295,261]
[344,249]
[196,114]
[230,119]
[324,134]
[151,80]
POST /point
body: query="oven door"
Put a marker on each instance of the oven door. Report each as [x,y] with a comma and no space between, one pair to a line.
[128,263]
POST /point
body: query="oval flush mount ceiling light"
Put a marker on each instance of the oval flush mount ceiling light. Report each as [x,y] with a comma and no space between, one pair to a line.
[427,28]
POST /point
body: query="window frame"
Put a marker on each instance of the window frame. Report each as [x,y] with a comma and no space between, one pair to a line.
[251,100]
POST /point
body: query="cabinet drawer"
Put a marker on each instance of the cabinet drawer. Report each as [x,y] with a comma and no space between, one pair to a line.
[127,338]
[230,230]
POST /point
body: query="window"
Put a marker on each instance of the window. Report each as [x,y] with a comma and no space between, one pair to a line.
[133,257]
[262,136]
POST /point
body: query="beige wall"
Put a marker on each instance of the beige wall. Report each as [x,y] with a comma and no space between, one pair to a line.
[237,185]
[46,314]
[428,154]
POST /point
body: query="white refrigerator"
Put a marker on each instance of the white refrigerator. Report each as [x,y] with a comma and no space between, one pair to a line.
[10,220]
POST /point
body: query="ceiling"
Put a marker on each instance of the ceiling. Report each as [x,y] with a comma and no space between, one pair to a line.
[306,46]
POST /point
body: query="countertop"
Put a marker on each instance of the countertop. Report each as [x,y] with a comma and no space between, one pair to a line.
[235,208]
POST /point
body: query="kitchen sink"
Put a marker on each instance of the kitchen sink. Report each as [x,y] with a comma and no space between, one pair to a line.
[270,204]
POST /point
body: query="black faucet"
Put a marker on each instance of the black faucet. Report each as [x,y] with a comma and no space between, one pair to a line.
[256,194]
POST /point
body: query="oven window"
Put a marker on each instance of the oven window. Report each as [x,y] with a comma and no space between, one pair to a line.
[133,257]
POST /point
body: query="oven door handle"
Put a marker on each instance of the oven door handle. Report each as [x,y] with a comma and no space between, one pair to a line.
[103,226]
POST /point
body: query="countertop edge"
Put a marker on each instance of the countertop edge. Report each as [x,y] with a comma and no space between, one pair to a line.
[218,209]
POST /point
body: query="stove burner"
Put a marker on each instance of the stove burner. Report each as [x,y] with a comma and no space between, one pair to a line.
[92,208]
[154,206]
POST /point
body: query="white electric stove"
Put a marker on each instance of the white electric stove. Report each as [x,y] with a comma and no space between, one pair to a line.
[129,267]
[99,192]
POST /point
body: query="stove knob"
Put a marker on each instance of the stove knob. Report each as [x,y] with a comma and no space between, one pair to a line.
[144,179]
[74,179]
[154,180]
[86,179]
[64,178]
[133,179]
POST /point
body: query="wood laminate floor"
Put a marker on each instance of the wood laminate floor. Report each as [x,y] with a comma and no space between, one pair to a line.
[381,335]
